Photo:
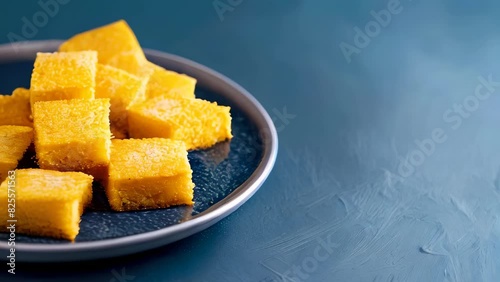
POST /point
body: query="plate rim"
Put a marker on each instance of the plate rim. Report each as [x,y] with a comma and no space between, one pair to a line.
[111,247]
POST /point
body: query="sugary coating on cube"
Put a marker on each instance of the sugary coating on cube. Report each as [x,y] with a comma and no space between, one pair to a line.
[148,174]
[116,44]
[73,135]
[63,76]
[199,123]
[15,110]
[48,203]
[21,92]
[123,89]
[170,84]
[14,141]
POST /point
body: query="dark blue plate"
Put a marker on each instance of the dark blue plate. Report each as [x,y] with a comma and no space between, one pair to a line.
[225,175]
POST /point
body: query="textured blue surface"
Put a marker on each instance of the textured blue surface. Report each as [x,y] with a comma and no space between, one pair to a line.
[341,203]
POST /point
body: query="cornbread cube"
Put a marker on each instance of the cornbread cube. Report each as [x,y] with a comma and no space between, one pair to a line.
[133,63]
[148,174]
[199,123]
[73,135]
[116,44]
[63,76]
[170,84]
[21,92]
[14,141]
[48,203]
[15,110]
[123,89]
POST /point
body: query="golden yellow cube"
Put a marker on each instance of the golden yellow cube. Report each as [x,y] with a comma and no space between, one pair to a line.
[21,92]
[14,141]
[123,89]
[170,84]
[73,135]
[15,110]
[133,63]
[116,44]
[148,174]
[47,203]
[63,76]
[199,123]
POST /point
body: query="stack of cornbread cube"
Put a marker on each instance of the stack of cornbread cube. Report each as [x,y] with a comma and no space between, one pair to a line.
[98,110]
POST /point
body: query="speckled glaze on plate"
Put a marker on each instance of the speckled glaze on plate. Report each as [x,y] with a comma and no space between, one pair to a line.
[225,175]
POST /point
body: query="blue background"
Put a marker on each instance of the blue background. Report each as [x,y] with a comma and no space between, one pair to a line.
[342,203]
